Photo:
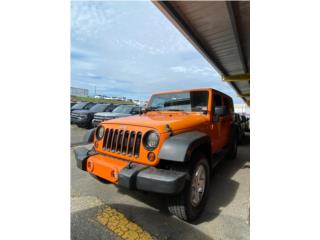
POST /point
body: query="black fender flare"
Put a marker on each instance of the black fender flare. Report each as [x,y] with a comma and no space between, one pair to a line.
[89,136]
[179,148]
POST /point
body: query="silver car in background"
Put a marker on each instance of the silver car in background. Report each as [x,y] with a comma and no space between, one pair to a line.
[120,111]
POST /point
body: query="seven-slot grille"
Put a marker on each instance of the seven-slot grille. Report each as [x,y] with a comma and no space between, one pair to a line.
[123,142]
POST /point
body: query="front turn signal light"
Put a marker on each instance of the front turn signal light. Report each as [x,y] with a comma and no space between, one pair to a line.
[151,156]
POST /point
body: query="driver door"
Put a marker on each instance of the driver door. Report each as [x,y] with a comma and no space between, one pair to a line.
[215,125]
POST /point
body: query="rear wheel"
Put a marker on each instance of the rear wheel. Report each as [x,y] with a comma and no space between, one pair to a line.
[191,201]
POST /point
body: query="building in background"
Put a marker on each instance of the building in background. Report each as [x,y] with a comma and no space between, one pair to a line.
[80,92]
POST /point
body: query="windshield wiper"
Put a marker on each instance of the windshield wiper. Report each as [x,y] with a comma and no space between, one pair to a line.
[149,109]
[174,110]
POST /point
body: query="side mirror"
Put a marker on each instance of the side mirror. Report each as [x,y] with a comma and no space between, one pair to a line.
[220,111]
[142,110]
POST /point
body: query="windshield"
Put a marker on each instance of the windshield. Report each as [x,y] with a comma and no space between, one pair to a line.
[99,107]
[79,105]
[196,101]
[122,109]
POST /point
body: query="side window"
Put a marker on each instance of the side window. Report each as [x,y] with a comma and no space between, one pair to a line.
[217,100]
[135,110]
[106,108]
[89,105]
[228,103]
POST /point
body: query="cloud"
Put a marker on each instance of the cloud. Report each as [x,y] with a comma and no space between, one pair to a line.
[207,71]
[179,69]
[131,49]
[94,76]
[89,18]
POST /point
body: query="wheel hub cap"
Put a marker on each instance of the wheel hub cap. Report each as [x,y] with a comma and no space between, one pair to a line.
[198,185]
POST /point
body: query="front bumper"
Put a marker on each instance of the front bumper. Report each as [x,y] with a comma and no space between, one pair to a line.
[133,175]
[79,120]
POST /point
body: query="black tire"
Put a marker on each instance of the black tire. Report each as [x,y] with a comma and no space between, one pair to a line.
[181,205]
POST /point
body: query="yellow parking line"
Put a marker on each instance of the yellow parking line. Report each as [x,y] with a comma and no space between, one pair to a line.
[121,226]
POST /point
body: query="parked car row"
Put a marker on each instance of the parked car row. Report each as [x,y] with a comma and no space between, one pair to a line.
[242,123]
[119,111]
[89,114]
[81,106]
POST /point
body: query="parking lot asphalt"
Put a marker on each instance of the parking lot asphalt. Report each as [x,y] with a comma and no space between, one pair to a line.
[104,211]
[77,135]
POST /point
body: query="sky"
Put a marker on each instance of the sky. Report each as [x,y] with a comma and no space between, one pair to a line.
[131,49]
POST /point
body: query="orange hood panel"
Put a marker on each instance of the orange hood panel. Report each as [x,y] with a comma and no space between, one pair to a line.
[159,120]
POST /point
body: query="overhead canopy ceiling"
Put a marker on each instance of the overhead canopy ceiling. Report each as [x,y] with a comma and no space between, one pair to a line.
[220,30]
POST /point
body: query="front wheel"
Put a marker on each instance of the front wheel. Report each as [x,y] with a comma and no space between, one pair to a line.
[191,201]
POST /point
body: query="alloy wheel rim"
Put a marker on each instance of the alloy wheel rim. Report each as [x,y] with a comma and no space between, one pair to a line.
[198,185]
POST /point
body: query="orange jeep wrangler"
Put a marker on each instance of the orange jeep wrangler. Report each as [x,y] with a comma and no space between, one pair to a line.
[170,148]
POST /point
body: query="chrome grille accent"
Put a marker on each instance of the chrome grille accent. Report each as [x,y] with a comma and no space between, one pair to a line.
[122,142]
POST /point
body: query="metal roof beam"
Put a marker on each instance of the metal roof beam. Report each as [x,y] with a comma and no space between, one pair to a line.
[168,8]
[236,35]
[244,95]
[237,78]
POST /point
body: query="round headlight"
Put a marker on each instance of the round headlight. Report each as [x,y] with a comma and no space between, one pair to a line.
[151,140]
[99,133]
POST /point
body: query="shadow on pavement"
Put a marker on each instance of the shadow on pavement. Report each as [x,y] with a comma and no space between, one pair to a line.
[84,226]
[157,219]
[76,135]
[161,226]
[222,189]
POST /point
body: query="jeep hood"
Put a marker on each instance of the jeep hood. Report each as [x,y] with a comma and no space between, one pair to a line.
[156,120]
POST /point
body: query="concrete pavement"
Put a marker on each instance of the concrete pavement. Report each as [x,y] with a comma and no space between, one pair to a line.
[225,216]
[76,134]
